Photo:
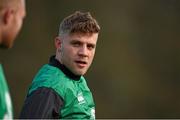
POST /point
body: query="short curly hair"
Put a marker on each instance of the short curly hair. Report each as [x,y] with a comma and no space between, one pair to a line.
[79,22]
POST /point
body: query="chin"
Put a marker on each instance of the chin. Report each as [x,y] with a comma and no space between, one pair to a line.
[82,73]
[79,73]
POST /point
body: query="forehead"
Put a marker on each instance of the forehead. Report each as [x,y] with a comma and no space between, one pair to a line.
[90,38]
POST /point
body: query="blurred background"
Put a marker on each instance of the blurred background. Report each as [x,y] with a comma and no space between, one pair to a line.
[136,70]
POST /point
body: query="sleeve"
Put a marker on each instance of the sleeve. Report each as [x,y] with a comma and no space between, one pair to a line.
[42,103]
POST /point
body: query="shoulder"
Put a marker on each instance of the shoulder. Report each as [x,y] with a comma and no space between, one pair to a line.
[50,77]
[48,74]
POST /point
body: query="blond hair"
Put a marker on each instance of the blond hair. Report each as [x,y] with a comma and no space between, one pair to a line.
[79,22]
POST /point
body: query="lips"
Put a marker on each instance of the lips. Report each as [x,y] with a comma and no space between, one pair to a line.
[81,63]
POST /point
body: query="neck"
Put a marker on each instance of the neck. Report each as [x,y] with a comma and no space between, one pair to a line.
[56,63]
[58,57]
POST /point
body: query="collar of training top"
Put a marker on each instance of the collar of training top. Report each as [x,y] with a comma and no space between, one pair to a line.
[54,62]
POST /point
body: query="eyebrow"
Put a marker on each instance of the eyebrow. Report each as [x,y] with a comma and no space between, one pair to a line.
[78,41]
[75,41]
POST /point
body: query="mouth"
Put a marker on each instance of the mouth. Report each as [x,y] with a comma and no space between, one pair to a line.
[81,63]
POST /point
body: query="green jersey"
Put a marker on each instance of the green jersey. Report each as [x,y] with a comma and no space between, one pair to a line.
[58,93]
[5,100]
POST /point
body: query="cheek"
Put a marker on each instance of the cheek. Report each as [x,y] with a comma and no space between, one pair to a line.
[19,21]
[16,27]
[69,51]
[67,54]
[19,24]
[91,57]
[92,54]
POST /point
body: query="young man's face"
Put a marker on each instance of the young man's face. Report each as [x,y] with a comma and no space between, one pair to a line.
[77,52]
[13,25]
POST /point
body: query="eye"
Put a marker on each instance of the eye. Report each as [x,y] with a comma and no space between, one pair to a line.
[76,43]
[90,46]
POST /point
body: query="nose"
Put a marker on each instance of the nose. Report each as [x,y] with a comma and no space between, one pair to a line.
[83,51]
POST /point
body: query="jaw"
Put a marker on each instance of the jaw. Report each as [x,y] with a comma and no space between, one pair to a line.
[78,70]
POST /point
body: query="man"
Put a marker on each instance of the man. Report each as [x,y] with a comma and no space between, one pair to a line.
[12,13]
[59,89]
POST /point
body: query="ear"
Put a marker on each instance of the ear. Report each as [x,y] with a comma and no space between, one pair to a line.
[7,16]
[58,42]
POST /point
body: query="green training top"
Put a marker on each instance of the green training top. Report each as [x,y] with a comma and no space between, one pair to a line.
[5,100]
[77,97]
